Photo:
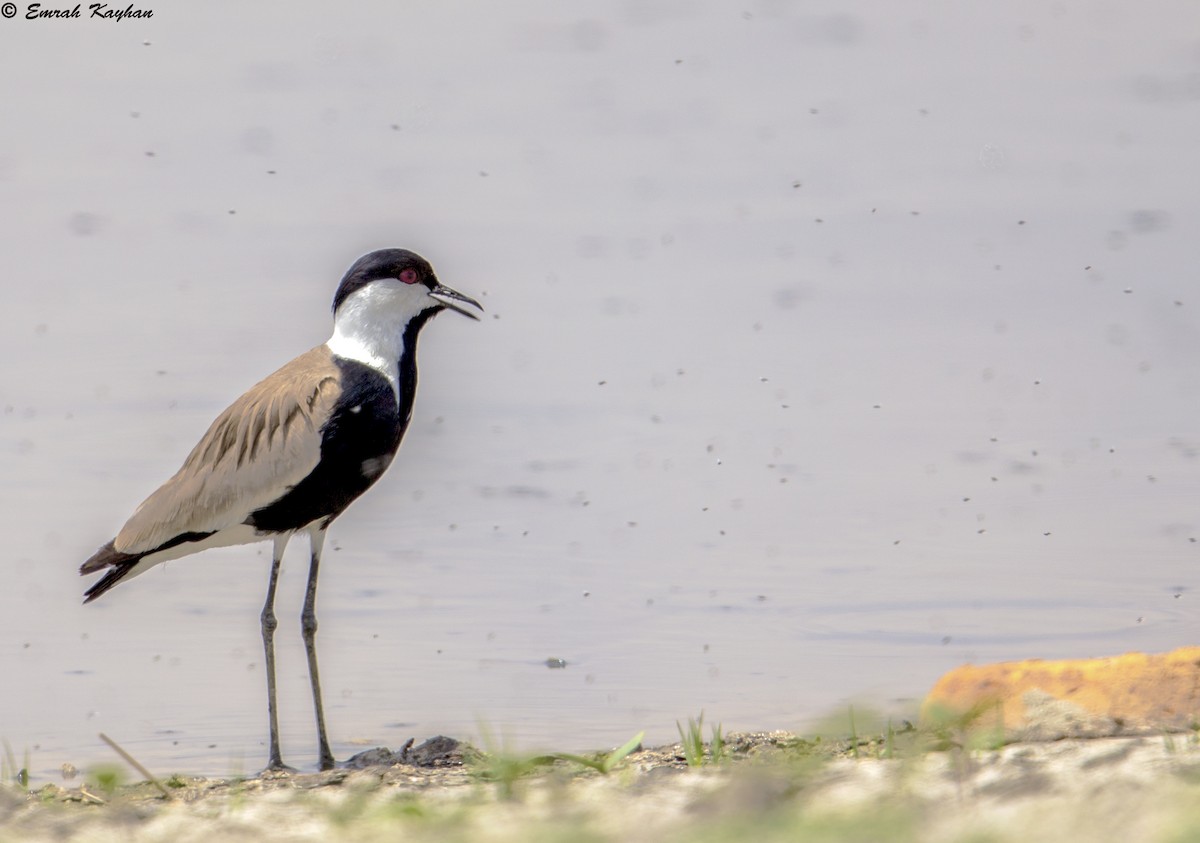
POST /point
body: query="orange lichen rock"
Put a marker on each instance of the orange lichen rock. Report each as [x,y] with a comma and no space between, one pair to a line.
[1132,694]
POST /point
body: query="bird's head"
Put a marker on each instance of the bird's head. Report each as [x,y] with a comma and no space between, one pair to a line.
[397,284]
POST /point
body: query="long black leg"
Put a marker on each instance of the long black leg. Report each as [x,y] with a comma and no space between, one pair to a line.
[275,761]
[308,624]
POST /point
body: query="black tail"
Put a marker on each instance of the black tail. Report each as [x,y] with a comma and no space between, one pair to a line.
[119,564]
[114,576]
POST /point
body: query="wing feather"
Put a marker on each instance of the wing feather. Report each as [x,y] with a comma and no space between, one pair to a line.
[262,445]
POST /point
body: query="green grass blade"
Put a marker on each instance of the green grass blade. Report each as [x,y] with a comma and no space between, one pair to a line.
[604,764]
[622,752]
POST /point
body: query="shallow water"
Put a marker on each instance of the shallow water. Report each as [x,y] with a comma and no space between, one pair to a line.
[828,348]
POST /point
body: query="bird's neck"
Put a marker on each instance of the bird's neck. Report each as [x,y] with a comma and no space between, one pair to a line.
[374,331]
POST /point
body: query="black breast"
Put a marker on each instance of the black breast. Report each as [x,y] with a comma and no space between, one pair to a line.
[357,445]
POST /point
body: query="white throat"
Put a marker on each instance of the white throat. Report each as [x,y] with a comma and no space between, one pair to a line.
[369,326]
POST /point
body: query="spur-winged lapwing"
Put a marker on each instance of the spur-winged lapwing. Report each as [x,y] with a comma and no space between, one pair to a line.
[292,453]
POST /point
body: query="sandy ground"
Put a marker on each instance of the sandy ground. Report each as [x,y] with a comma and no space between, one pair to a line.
[771,786]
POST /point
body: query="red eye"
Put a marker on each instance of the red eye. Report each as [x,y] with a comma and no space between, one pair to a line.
[409,276]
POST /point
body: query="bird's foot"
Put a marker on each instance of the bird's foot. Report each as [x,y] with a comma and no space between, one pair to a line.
[276,765]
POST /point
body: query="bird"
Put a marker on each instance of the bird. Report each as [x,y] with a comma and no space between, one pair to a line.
[295,450]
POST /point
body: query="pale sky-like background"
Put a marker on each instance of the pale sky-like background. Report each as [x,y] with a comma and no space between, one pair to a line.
[828,346]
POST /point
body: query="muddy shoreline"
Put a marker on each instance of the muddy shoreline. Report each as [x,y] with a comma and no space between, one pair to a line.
[771,785]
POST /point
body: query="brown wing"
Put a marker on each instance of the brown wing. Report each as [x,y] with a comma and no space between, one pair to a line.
[265,443]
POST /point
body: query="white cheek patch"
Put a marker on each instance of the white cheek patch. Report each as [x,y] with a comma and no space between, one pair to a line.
[369,326]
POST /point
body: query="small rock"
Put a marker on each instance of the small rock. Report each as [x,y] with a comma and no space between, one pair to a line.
[438,751]
[380,756]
